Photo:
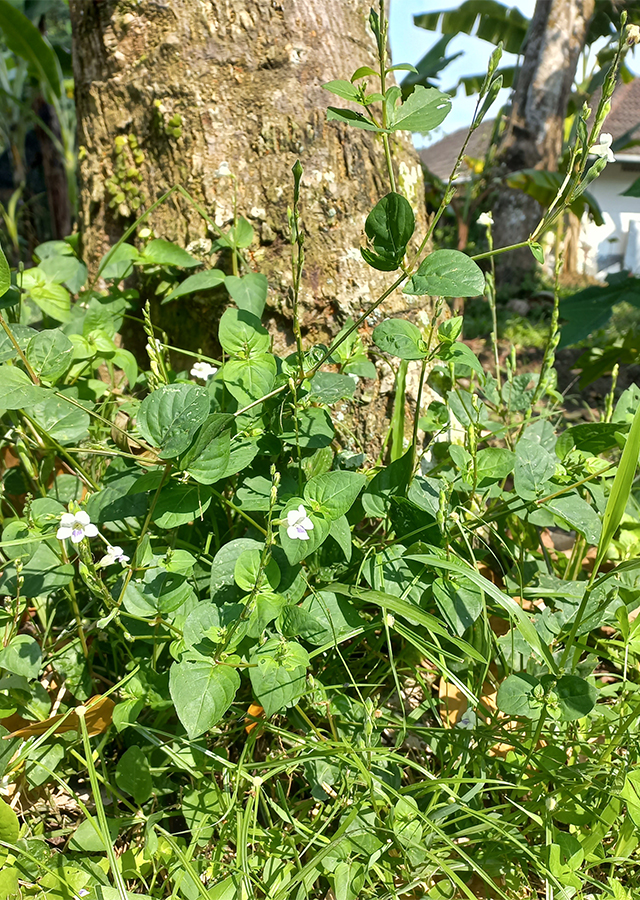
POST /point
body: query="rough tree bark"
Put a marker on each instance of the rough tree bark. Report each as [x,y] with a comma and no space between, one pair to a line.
[187,85]
[534,133]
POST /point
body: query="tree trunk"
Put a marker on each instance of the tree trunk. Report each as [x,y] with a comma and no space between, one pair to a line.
[189,86]
[534,134]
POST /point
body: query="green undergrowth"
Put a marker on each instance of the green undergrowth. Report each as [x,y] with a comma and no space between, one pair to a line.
[242,659]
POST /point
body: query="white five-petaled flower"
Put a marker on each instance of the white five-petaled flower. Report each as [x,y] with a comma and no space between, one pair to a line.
[485,218]
[114,555]
[203,370]
[76,526]
[603,148]
[299,524]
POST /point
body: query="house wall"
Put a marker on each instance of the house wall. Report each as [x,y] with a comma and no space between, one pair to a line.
[603,247]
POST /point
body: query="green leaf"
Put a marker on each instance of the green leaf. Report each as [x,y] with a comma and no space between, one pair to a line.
[65,269]
[25,40]
[344,89]
[494,464]
[52,298]
[201,281]
[249,292]
[534,467]
[9,887]
[330,387]
[181,503]
[5,274]
[169,417]
[118,263]
[50,353]
[238,236]
[158,592]
[447,273]
[62,421]
[335,492]
[247,571]
[164,253]
[22,335]
[421,112]
[537,252]
[241,334]
[17,391]
[591,308]
[462,355]
[493,21]
[22,656]
[208,457]
[347,117]
[620,489]
[576,697]
[516,696]
[389,227]
[133,775]
[578,514]
[523,623]
[590,437]
[202,691]
[460,602]
[410,611]
[348,880]
[9,825]
[279,675]
[392,481]
[400,338]
[251,379]
[314,429]
[85,839]
[633,190]
[364,72]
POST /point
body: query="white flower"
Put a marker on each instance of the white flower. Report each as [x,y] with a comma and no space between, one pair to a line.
[76,526]
[299,524]
[485,218]
[114,555]
[83,892]
[633,34]
[203,370]
[222,170]
[603,148]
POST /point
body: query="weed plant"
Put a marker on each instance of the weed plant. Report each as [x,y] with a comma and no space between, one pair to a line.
[239,660]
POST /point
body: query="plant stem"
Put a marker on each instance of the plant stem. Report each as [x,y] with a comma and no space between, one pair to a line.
[97,799]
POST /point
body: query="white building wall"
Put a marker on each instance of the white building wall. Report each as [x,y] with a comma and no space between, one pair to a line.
[604,247]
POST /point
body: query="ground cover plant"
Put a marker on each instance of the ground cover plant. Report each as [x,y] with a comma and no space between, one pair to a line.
[241,659]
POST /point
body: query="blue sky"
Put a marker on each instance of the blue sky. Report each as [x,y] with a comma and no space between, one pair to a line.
[409,44]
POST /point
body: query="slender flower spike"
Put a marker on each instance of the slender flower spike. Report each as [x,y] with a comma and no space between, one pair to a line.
[603,148]
[299,524]
[203,370]
[76,526]
[114,555]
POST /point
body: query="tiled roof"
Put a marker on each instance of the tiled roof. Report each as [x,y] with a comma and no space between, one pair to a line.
[624,117]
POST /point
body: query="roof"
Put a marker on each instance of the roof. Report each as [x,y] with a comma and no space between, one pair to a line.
[623,118]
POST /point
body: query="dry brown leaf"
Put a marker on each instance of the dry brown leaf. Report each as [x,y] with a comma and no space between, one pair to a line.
[98,716]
